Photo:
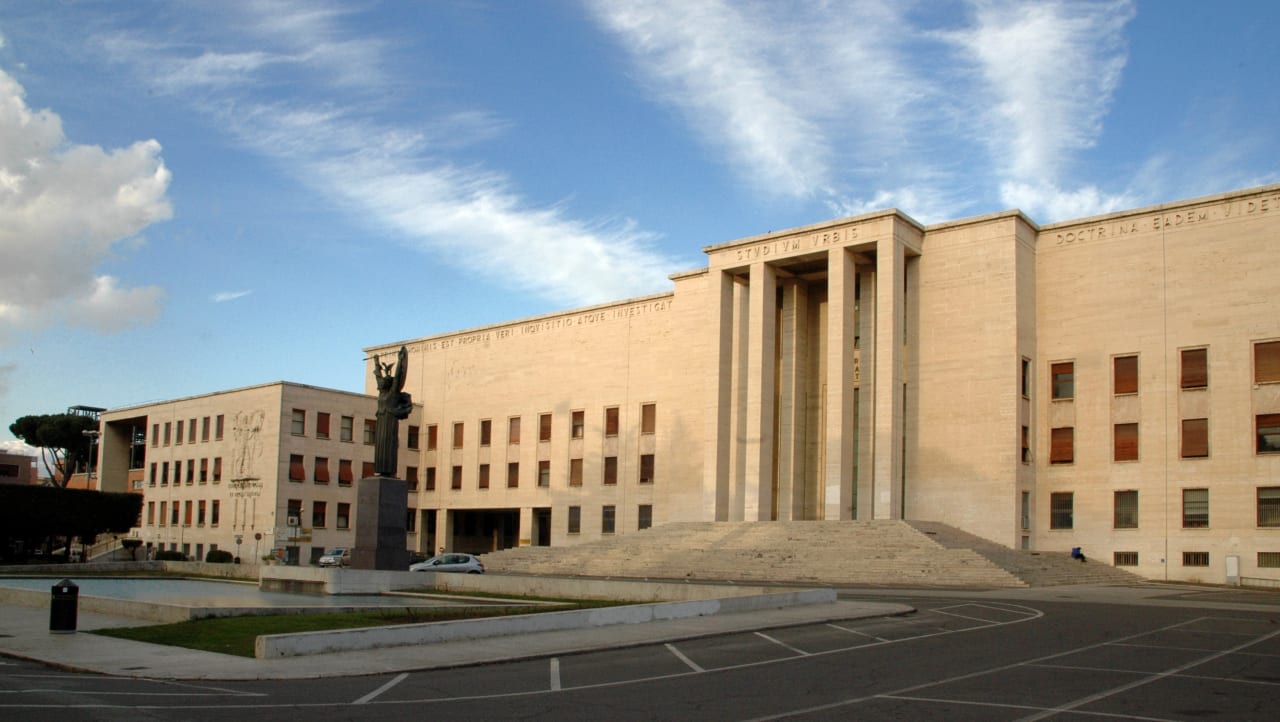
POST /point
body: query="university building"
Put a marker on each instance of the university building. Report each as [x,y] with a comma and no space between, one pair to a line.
[1110,383]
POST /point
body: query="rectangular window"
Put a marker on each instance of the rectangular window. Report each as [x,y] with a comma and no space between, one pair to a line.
[1266,362]
[1268,433]
[575,519]
[578,424]
[482,480]
[429,483]
[319,510]
[370,428]
[411,521]
[455,478]
[611,421]
[513,430]
[1195,559]
[213,513]
[345,473]
[155,435]
[1125,514]
[296,471]
[1062,445]
[186,516]
[164,473]
[191,431]
[411,477]
[1269,506]
[298,424]
[322,425]
[1269,560]
[433,437]
[644,516]
[217,469]
[457,435]
[346,428]
[1195,438]
[544,427]
[646,468]
[610,470]
[366,470]
[1063,375]
[607,520]
[414,433]
[204,429]
[200,510]
[1125,442]
[1126,375]
[151,513]
[575,472]
[1194,373]
[164,512]
[1124,559]
[1062,510]
[1026,444]
[513,474]
[648,418]
[544,473]
[344,515]
[1195,508]
[486,432]
[1026,378]
[191,471]
[217,427]
[168,427]
[153,474]
[177,439]
[321,474]
[175,512]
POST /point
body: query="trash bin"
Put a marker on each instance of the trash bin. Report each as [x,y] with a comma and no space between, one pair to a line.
[63,607]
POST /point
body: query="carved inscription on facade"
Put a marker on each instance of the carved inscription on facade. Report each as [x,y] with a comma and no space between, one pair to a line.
[546,326]
[1169,220]
[817,239]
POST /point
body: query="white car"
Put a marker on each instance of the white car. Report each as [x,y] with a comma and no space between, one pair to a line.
[335,557]
[450,563]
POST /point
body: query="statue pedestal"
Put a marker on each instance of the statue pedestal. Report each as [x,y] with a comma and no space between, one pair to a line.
[382,505]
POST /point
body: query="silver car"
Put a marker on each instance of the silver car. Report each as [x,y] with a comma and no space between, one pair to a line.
[450,563]
[335,557]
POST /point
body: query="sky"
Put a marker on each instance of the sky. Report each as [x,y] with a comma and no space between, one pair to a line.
[199,196]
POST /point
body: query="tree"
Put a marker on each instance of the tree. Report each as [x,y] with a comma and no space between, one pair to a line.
[61,440]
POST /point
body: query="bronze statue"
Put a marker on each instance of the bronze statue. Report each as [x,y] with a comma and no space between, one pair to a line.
[393,404]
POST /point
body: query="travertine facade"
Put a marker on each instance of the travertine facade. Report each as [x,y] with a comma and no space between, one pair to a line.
[1111,383]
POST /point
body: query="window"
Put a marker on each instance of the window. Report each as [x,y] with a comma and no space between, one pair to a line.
[483,476]
[217,469]
[1026,444]
[1268,433]
[186,516]
[575,472]
[153,474]
[1125,379]
[344,515]
[1064,379]
[575,519]
[1125,442]
[177,439]
[191,431]
[1266,362]
[293,515]
[200,509]
[319,511]
[151,513]
[1026,510]
[1026,378]
[433,437]
[370,428]
[1062,445]
[345,474]
[430,482]
[411,521]
[1126,510]
[513,474]
[646,468]
[175,513]
[204,471]
[298,424]
[544,427]
[578,424]
[164,509]
[648,418]
[544,473]
[191,471]
[411,477]
[1195,438]
[322,425]
[213,513]
[1269,560]
[513,430]
[414,433]
[204,429]
[155,435]
[1195,559]
[455,479]
[607,520]
[1269,506]
[296,472]
[1062,510]
[486,432]
[164,473]
[366,470]
[1194,374]
[217,428]
[1124,559]
[457,435]
[1195,508]
[644,516]
[610,470]
[346,428]
[611,421]
[168,427]
[321,474]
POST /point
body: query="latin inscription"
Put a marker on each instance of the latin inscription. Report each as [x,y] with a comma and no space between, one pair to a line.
[779,247]
[546,326]
[1174,219]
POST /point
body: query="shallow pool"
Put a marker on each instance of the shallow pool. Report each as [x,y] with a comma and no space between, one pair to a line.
[208,593]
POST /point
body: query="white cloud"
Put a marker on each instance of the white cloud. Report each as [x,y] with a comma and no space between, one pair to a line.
[224,296]
[63,207]
[14,446]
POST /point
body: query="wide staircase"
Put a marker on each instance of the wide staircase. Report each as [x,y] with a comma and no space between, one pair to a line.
[889,553]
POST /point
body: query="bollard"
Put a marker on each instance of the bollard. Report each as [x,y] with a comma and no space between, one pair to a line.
[63,606]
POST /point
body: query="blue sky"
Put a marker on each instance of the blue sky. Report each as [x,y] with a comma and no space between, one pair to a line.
[197,196]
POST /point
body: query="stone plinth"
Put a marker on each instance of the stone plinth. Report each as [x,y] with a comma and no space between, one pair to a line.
[381,507]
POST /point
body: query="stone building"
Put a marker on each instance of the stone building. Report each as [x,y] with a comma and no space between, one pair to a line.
[1110,383]
[268,469]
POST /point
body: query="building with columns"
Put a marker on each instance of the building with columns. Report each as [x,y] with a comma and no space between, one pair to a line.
[1110,383]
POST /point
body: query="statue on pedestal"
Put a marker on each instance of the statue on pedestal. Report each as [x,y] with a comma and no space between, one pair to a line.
[393,404]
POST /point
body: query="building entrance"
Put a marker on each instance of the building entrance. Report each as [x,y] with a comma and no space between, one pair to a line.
[483,531]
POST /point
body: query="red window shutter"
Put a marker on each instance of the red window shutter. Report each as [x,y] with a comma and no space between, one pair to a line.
[1062,445]
[1195,368]
[366,470]
[344,471]
[322,470]
[1195,438]
[1126,375]
[296,472]
[1266,362]
[1126,442]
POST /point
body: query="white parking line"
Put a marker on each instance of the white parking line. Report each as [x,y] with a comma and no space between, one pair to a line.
[783,644]
[680,655]
[854,631]
[555,673]
[374,694]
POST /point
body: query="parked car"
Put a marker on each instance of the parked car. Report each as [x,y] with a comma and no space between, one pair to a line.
[335,557]
[450,563]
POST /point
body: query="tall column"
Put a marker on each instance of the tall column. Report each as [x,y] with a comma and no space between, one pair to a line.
[890,328]
[761,366]
[865,475]
[792,364]
[525,535]
[838,406]
[716,459]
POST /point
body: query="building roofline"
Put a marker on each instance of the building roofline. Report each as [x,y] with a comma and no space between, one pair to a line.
[134,407]
[862,218]
[1169,205]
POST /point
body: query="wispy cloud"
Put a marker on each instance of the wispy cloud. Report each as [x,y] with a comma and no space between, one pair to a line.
[224,296]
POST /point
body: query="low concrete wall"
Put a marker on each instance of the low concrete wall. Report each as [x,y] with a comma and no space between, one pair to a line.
[307,643]
[142,611]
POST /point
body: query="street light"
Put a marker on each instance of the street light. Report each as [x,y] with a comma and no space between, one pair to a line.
[93,435]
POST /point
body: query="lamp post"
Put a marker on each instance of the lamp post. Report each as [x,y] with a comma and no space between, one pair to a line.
[92,435]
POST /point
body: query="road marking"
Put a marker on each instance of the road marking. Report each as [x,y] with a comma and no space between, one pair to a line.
[555,674]
[374,694]
[783,644]
[854,631]
[680,655]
